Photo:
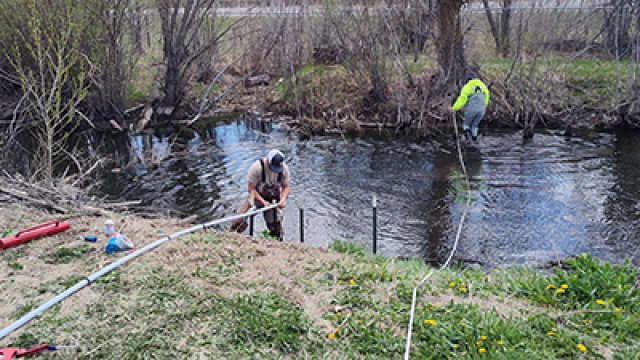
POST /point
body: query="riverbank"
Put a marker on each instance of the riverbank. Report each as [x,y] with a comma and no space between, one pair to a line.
[222,295]
[552,93]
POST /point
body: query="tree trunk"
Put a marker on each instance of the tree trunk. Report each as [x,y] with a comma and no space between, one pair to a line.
[181,24]
[616,29]
[135,22]
[450,42]
[505,28]
[500,35]
[172,84]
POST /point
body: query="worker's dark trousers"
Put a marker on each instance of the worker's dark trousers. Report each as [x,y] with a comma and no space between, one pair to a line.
[273,218]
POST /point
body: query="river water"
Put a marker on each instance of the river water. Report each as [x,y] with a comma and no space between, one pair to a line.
[533,202]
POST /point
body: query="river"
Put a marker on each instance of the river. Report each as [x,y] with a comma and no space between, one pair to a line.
[534,202]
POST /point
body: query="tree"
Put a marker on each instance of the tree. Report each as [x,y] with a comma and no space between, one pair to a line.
[500,31]
[617,27]
[181,21]
[450,42]
[115,57]
[53,74]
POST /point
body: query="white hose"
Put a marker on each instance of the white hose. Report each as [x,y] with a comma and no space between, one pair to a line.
[453,250]
[93,277]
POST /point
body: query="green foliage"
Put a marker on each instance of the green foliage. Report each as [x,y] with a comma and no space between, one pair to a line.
[46,57]
[136,95]
[590,279]
[8,232]
[366,301]
[601,295]
[24,309]
[267,320]
[26,340]
[267,235]
[70,281]
[12,259]
[465,331]
[589,282]
[287,88]
[14,264]
[65,255]
[349,248]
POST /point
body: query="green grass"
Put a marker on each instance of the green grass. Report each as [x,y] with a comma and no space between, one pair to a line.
[594,81]
[309,77]
[206,310]
[13,257]
[136,95]
[65,255]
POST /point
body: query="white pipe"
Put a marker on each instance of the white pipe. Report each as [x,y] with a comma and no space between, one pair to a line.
[407,350]
[105,270]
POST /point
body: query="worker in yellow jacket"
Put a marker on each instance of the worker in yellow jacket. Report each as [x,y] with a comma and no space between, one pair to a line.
[474,97]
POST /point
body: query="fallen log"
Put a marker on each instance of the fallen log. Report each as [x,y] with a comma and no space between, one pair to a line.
[21,195]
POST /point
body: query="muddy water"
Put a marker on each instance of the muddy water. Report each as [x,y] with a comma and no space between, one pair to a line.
[544,200]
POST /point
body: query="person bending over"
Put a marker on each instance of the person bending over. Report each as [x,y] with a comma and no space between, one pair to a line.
[268,182]
[474,97]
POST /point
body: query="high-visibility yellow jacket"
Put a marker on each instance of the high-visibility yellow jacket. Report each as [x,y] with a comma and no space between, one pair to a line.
[470,88]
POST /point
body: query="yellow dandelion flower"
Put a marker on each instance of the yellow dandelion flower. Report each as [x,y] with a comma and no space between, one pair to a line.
[564,286]
[452,284]
[500,342]
[352,282]
[463,290]
[431,322]
[618,309]
[332,336]
[479,342]
[550,287]
[339,282]
[551,333]
[600,302]
[560,291]
[483,337]
[482,350]
[455,346]
[582,348]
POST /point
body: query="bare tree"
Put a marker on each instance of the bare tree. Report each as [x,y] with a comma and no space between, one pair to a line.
[181,21]
[364,41]
[500,31]
[617,27]
[450,41]
[116,59]
[53,75]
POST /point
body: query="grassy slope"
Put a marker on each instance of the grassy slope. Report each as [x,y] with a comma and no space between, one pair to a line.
[217,295]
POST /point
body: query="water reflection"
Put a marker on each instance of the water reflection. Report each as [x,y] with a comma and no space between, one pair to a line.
[533,202]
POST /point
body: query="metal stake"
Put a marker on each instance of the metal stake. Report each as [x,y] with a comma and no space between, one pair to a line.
[375,225]
[301,210]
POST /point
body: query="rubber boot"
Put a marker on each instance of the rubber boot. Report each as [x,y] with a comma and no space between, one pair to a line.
[239,226]
[467,135]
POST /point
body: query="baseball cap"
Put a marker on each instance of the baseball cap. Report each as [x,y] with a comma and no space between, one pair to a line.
[276,159]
